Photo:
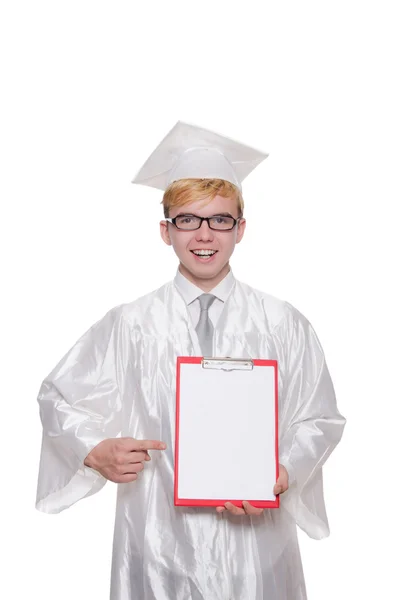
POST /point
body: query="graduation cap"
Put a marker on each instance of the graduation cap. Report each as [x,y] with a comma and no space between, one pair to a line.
[188,152]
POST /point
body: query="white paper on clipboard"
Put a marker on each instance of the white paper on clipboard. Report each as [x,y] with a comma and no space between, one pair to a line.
[226,446]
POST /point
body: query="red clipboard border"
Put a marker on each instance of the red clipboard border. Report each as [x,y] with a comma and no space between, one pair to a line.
[202,502]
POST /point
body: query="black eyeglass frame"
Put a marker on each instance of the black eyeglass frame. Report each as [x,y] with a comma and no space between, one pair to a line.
[173,221]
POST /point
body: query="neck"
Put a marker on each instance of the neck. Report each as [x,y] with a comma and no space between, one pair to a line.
[205,284]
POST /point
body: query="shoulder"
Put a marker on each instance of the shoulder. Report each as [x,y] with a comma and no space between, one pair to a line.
[140,307]
[278,312]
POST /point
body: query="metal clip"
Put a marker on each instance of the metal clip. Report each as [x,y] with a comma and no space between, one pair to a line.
[228,364]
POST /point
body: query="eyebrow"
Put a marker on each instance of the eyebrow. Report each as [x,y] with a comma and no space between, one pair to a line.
[225,214]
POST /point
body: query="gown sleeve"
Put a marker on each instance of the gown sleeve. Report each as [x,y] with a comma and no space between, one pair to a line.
[79,407]
[310,423]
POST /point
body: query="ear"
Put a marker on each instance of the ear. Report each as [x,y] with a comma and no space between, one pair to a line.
[165,233]
[240,230]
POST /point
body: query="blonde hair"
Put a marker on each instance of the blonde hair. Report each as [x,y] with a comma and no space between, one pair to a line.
[183,191]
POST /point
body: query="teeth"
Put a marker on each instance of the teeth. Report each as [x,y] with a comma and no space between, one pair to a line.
[203,252]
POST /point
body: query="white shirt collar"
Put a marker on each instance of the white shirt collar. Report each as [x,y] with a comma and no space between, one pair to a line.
[191,292]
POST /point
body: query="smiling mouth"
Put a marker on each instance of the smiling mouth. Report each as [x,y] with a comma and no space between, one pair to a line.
[206,254]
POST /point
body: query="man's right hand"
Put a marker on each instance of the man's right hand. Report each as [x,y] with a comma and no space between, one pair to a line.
[121,459]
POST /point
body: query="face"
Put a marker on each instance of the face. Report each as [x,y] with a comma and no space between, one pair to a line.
[206,273]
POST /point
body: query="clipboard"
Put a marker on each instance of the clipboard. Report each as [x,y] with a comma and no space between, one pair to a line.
[226,434]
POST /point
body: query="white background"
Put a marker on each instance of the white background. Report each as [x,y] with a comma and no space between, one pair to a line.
[88,90]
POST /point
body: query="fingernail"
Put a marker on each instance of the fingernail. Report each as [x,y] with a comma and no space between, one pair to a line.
[163,446]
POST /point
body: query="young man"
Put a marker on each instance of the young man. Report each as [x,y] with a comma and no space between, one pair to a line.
[120,378]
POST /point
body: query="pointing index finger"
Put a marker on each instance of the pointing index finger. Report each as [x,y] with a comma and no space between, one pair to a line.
[151,445]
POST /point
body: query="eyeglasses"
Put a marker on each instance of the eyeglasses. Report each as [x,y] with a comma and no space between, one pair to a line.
[191,222]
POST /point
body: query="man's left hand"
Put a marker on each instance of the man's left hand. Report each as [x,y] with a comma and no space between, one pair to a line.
[282,481]
[280,487]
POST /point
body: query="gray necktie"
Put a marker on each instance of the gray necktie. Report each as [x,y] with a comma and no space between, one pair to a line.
[204,327]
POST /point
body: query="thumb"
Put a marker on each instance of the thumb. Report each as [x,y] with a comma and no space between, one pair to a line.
[277,489]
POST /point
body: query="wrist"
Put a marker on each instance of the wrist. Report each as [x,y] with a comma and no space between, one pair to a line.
[88,461]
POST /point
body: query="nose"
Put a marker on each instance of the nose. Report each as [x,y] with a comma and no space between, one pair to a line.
[204,233]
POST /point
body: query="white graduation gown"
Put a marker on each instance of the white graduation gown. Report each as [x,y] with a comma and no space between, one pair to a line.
[120,378]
